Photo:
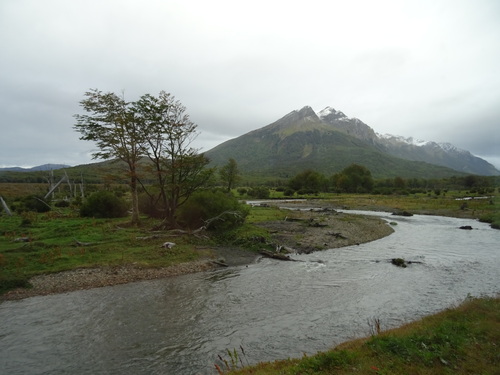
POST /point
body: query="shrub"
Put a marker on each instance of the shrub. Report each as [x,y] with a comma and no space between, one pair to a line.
[259,193]
[206,204]
[242,191]
[62,204]
[33,203]
[150,206]
[103,204]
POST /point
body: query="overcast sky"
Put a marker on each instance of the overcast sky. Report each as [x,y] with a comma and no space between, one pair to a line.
[427,69]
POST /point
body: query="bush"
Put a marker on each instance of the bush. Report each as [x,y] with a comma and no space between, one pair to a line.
[103,204]
[242,191]
[62,204]
[259,193]
[207,204]
[33,203]
[150,206]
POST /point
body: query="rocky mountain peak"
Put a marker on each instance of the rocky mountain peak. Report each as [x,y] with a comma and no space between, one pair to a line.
[329,114]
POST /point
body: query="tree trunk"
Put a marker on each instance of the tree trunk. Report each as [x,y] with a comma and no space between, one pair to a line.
[135,197]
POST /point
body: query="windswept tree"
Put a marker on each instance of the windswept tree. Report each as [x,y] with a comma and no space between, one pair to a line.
[179,168]
[229,174]
[156,127]
[112,124]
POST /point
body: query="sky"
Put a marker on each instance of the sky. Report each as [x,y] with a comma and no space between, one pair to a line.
[429,69]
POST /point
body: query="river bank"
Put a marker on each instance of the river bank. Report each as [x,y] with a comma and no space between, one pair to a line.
[305,230]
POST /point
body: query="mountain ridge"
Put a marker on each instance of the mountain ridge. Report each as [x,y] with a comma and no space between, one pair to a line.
[328,141]
[43,167]
[439,153]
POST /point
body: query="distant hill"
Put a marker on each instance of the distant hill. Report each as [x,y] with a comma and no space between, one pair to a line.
[44,167]
[326,142]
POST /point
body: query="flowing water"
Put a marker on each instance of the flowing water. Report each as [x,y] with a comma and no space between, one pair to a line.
[271,309]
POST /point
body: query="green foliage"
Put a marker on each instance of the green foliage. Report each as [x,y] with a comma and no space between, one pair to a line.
[204,205]
[259,192]
[16,282]
[35,203]
[242,191]
[327,361]
[354,179]
[104,204]
[229,174]
[309,181]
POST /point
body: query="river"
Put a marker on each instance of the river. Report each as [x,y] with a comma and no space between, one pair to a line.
[271,309]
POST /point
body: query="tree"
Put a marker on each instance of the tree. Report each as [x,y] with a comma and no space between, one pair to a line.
[354,179]
[112,124]
[178,168]
[310,181]
[156,127]
[229,174]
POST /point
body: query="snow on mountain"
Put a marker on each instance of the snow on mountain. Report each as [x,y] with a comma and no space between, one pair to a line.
[399,138]
[445,146]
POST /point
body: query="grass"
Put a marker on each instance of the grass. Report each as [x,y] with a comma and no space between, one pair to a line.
[55,242]
[461,340]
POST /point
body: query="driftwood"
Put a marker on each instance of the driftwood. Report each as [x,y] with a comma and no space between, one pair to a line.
[195,232]
[272,255]
[5,207]
[79,243]
[317,225]
[22,239]
[221,263]
[337,235]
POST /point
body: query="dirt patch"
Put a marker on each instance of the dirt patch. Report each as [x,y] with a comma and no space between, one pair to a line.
[320,228]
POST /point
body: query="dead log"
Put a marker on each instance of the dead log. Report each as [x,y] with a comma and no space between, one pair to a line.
[21,239]
[278,256]
[337,235]
[221,263]
[79,243]
[5,207]
[315,224]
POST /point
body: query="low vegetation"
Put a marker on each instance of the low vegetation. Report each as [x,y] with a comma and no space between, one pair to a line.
[96,234]
[461,340]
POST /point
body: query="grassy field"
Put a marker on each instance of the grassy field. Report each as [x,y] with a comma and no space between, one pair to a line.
[32,244]
[462,340]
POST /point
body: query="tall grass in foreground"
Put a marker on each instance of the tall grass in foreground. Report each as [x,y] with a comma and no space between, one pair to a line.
[462,340]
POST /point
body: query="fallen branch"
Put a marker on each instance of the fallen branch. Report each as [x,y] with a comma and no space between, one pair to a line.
[79,243]
[337,235]
[22,239]
[278,256]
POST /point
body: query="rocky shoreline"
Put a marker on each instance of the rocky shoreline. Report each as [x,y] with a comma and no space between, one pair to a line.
[304,231]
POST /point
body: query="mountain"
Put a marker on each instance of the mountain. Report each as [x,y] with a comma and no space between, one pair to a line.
[443,154]
[326,142]
[44,167]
